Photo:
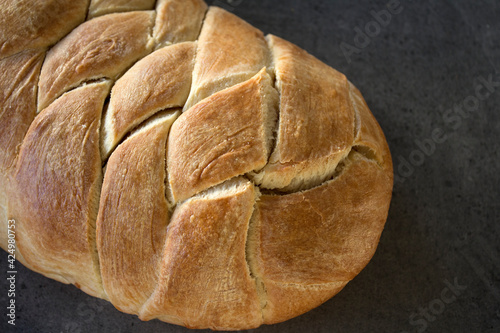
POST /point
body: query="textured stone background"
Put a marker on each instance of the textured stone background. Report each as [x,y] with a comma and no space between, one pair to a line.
[443,225]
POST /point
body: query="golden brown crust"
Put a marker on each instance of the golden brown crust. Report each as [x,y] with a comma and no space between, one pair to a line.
[223,136]
[133,216]
[368,132]
[325,234]
[58,180]
[100,48]
[18,89]
[316,124]
[325,166]
[205,281]
[28,24]
[102,7]
[159,81]
[230,51]
[313,242]
[178,21]
[288,300]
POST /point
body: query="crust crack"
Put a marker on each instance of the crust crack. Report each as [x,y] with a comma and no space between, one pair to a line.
[311,285]
[357,119]
[92,234]
[133,130]
[201,26]
[337,171]
[367,153]
[250,260]
[88,10]
[275,130]
[79,85]
[37,84]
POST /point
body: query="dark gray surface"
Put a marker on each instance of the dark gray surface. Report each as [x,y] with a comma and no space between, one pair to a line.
[443,222]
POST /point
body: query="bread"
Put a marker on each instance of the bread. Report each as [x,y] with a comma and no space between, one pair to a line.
[170,158]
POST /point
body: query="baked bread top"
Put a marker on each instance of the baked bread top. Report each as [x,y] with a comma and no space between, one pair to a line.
[170,158]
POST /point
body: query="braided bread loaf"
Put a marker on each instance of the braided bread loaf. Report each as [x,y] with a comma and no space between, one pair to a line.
[171,159]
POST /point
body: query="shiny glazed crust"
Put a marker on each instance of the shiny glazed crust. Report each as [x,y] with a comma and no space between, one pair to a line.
[170,158]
